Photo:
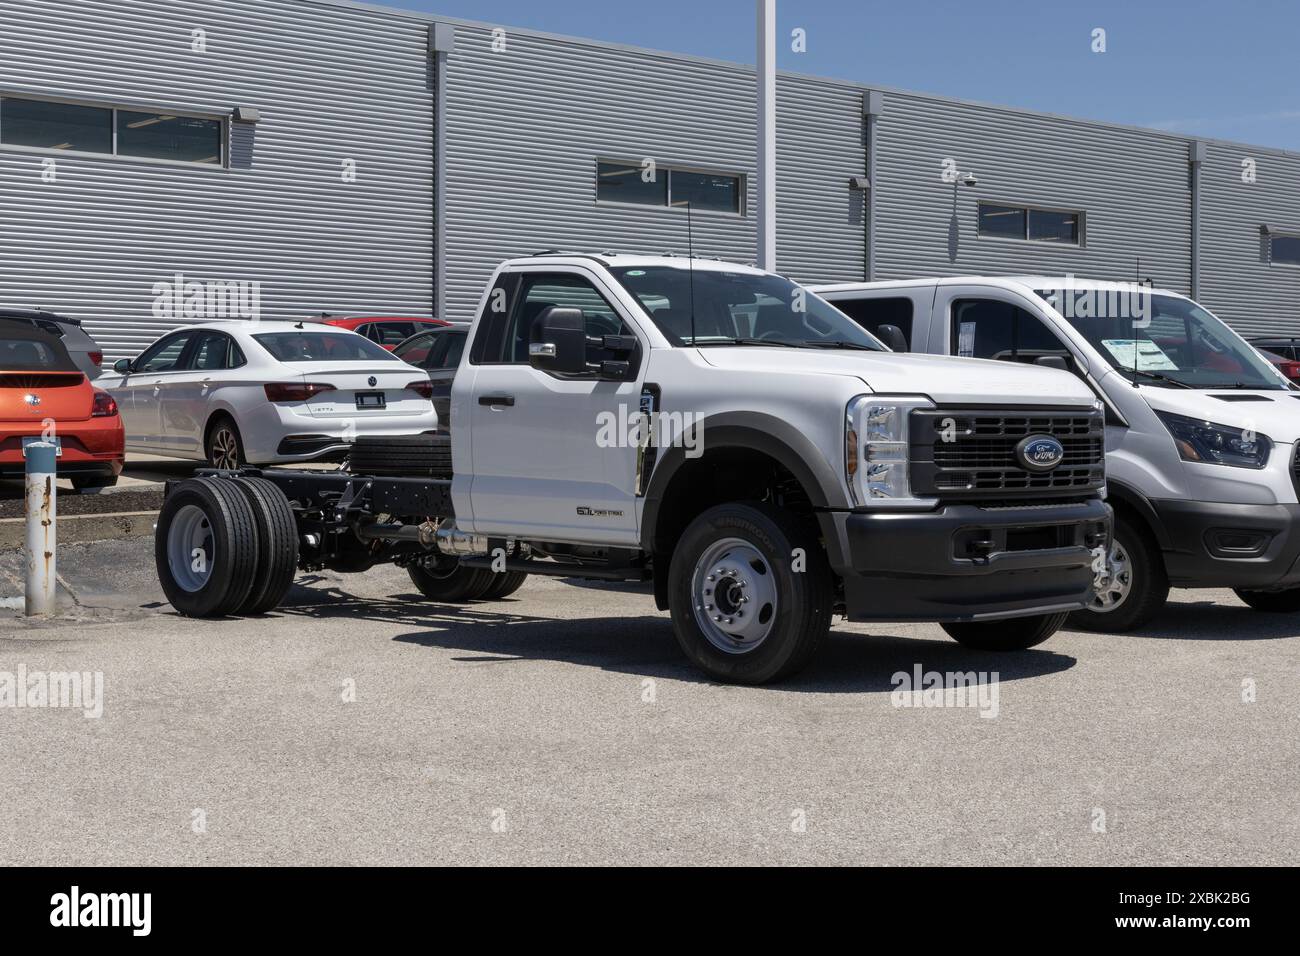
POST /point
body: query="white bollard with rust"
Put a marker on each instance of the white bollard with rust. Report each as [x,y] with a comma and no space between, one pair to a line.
[41,534]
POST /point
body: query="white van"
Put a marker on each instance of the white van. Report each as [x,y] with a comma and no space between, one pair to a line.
[1201,432]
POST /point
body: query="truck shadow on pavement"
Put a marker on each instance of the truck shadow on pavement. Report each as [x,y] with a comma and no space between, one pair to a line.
[1208,621]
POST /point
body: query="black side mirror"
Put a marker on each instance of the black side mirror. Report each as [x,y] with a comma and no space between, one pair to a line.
[892,336]
[558,341]
[1053,361]
[122,366]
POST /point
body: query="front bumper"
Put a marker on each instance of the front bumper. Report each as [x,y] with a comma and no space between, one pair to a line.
[1217,544]
[966,562]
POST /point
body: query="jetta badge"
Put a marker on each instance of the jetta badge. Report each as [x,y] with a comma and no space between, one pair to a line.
[32,400]
[1040,453]
[373,381]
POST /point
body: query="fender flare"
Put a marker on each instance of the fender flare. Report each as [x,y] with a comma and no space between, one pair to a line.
[754,431]
[1127,496]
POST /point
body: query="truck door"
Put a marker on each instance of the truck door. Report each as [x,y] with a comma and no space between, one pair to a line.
[546,462]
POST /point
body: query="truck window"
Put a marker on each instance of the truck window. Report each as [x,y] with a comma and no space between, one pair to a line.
[541,290]
[989,329]
[872,313]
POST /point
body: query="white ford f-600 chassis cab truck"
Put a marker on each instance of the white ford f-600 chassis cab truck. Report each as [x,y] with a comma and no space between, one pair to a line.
[712,428]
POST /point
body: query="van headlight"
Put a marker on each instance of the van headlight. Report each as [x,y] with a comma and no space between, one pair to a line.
[1212,444]
[876,462]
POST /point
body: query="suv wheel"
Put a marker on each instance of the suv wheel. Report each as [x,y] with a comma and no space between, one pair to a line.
[1133,587]
[741,610]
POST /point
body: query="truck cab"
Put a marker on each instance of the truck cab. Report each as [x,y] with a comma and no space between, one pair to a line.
[1201,430]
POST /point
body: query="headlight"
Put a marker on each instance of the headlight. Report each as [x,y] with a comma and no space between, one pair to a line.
[1212,444]
[875,449]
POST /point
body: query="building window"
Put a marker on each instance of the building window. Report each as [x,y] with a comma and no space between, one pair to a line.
[627,183]
[110,131]
[1059,226]
[1284,250]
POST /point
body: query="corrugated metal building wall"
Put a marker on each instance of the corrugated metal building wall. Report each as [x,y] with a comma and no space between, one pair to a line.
[331,83]
[1237,281]
[524,128]
[1131,185]
[528,120]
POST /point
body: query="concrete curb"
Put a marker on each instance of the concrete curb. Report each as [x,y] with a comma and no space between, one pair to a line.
[78,529]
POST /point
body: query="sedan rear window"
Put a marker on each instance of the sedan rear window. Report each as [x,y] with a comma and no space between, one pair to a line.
[310,345]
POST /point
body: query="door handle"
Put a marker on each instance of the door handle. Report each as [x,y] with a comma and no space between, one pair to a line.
[496,400]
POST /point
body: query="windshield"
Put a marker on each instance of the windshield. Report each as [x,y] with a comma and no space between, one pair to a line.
[313,346]
[739,308]
[1163,340]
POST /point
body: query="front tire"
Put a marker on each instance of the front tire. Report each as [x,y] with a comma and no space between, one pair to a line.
[1014,634]
[1136,586]
[750,593]
[1271,602]
[504,584]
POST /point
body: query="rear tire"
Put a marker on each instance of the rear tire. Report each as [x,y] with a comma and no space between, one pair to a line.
[1014,634]
[206,547]
[1271,602]
[741,612]
[278,553]
[450,581]
[1138,587]
[224,447]
[504,584]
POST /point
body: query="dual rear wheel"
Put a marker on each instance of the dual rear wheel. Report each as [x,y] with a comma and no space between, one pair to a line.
[225,546]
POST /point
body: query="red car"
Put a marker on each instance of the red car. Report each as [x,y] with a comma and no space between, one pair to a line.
[44,394]
[1288,367]
[385,330]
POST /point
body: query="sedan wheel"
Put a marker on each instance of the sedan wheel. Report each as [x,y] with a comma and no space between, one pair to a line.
[223,447]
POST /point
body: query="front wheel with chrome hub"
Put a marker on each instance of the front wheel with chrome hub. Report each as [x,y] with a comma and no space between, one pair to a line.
[750,592]
[1130,585]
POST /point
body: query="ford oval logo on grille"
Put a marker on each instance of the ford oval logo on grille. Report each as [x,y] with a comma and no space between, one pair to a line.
[1040,453]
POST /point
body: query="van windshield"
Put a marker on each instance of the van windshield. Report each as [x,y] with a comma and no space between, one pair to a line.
[712,307]
[1163,339]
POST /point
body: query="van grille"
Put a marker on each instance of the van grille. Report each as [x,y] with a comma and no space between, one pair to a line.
[971,454]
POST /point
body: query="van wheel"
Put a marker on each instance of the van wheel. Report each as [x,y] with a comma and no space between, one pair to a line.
[225,449]
[740,610]
[206,548]
[1271,602]
[278,536]
[451,582]
[504,584]
[1134,587]
[1013,634]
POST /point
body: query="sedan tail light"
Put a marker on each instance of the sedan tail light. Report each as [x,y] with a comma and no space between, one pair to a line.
[104,406]
[423,388]
[294,391]
[97,358]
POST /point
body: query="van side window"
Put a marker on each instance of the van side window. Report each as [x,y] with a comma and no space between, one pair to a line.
[988,329]
[871,314]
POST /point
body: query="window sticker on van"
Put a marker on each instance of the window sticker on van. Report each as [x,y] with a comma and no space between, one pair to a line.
[1150,357]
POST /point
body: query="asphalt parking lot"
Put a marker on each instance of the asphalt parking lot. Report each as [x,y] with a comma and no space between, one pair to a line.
[358,725]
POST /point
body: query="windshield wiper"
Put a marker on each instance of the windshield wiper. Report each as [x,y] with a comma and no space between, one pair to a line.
[1158,377]
[751,341]
[837,344]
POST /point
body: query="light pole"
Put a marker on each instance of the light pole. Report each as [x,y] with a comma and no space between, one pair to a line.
[765,75]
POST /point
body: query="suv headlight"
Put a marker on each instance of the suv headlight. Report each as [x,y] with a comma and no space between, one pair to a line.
[1212,444]
[876,464]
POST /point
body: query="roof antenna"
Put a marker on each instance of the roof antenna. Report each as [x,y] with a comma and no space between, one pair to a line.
[690,266]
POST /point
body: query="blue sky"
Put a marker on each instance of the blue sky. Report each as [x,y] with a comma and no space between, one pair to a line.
[1220,69]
